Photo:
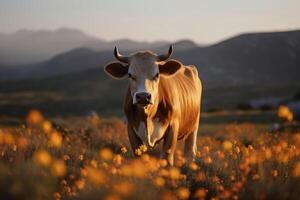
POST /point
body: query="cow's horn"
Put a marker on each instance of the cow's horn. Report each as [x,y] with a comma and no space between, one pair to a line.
[166,56]
[120,57]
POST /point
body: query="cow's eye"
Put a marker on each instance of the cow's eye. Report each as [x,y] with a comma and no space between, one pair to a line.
[131,77]
[156,76]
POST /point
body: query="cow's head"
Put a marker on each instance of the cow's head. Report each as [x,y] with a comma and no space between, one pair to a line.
[143,69]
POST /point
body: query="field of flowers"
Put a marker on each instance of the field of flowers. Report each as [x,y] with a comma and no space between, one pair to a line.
[90,158]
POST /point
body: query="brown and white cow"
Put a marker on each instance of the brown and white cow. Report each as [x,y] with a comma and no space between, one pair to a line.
[162,102]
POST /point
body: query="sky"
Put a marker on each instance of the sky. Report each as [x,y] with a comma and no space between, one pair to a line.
[204,21]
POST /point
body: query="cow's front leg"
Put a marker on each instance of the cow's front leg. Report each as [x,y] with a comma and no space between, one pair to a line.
[169,145]
[134,139]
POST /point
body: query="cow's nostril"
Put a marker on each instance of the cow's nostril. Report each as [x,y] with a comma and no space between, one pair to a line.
[148,97]
[143,97]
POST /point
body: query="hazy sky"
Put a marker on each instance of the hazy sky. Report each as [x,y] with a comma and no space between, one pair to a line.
[203,21]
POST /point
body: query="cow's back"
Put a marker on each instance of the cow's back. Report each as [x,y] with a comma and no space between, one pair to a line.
[182,93]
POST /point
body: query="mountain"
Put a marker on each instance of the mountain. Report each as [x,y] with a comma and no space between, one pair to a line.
[244,59]
[27,46]
[254,58]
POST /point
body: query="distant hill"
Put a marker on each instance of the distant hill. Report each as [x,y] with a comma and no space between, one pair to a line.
[245,59]
[28,46]
[250,58]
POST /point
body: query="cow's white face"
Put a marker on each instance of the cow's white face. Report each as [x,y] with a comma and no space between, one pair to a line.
[143,75]
[143,70]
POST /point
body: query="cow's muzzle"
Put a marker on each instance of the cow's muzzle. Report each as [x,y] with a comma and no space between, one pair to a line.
[143,98]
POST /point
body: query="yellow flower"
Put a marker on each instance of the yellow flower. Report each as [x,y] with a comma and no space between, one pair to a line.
[8,139]
[34,117]
[80,184]
[143,148]
[95,176]
[47,126]
[193,166]
[285,113]
[268,153]
[138,152]
[296,170]
[159,181]
[55,139]
[125,189]
[118,160]
[227,145]
[58,168]
[207,160]
[174,173]
[183,193]
[123,150]
[42,157]
[200,193]
[106,154]
[163,162]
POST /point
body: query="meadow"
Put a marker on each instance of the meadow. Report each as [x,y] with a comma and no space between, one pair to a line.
[90,158]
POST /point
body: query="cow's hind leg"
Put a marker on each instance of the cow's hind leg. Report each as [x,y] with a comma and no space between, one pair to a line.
[190,146]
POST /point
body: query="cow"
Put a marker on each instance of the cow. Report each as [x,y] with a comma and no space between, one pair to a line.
[162,102]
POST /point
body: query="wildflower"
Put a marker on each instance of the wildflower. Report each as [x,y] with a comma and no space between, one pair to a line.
[42,157]
[118,159]
[200,176]
[207,160]
[139,170]
[138,152]
[227,145]
[80,157]
[112,197]
[296,138]
[58,168]
[205,149]
[55,139]
[296,170]
[22,142]
[200,193]
[163,162]
[183,193]
[66,157]
[96,176]
[268,153]
[57,196]
[193,166]
[34,117]
[255,177]
[8,139]
[159,181]
[47,126]
[126,170]
[285,113]
[143,148]
[174,173]
[167,195]
[94,163]
[123,149]
[125,189]
[106,154]
[274,173]
[83,172]
[80,184]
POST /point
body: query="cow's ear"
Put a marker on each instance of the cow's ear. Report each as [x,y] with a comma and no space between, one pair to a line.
[170,67]
[116,70]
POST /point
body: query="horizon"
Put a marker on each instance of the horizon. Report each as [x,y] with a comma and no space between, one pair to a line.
[140,21]
[147,41]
